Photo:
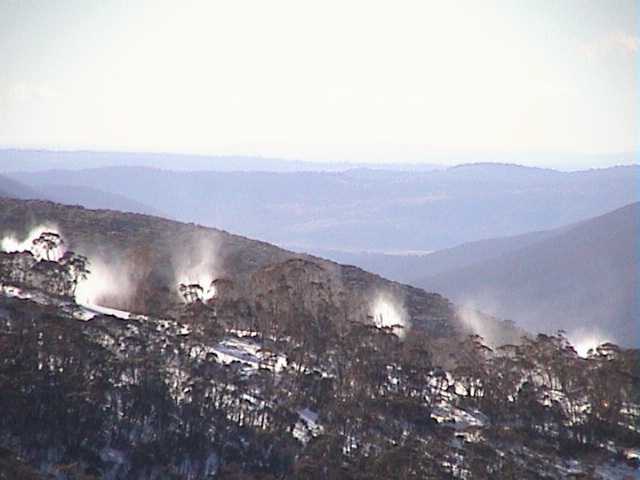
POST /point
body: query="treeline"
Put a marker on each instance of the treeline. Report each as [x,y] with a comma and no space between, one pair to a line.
[44,266]
[151,399]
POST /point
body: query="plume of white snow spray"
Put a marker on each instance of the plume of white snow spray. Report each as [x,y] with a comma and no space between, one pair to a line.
[107,282]
[474,322]
[197,264]
[11,244]
[389,312]
[585,341]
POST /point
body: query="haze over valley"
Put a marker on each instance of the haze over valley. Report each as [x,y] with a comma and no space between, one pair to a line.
[537,246]
[355,209]
[296,240]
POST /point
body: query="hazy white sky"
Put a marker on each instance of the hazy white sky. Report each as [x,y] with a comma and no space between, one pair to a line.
[331,80]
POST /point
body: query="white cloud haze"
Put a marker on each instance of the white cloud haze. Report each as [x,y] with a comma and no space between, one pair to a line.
[355,80]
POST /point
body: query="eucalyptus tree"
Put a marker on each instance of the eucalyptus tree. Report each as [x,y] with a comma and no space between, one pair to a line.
[47,244]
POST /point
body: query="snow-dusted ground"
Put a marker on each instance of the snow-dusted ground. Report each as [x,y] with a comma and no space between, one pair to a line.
[80,311]
[460,419]
[241,346]
[90,311]
[36,296]
[610,471]
[617,472]
[233,349]
[308,425]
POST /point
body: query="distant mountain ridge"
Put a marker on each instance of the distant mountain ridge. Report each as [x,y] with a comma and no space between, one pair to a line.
[25,159]
[14,160]
[15,189]
[93,198]
[584,275]
[411,267]
[366,209]
[73,195]
[583,278]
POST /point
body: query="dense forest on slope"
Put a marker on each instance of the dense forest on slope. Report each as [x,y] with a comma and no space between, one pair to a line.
[283,367]
[146,398]
[147,257]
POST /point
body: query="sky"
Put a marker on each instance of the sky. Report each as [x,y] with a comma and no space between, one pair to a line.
[374,81]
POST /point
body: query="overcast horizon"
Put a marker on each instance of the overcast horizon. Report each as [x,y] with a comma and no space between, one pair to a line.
[199,161]
[372,82]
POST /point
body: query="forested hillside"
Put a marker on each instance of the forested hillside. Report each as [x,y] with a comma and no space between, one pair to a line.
[254,363]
